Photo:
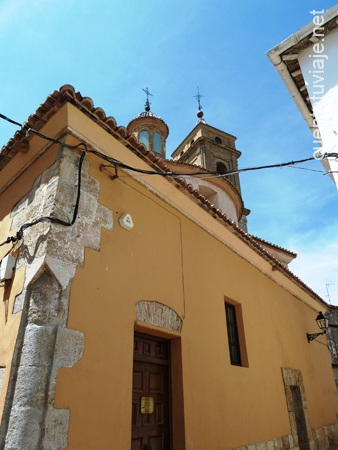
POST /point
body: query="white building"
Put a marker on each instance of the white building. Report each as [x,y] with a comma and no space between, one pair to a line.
[307,61]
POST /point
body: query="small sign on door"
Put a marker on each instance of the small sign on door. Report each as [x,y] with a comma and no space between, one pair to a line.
[147,405]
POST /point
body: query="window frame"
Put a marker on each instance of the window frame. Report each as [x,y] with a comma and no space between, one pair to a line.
[235,334]
[144,138]
[157,142]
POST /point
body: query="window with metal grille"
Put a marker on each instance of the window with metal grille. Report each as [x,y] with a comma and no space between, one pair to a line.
[233,339]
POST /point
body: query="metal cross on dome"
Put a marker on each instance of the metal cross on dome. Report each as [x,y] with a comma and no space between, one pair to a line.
[147,103]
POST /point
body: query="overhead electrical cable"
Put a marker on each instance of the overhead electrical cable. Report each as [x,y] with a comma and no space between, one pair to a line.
[10,120]
[18,236]
[122,165]
[311,170]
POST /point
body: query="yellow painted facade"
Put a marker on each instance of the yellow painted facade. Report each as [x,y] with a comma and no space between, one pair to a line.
[177,255]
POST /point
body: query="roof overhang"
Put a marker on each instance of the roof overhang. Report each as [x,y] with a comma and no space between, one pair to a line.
[285,59]
[288,57]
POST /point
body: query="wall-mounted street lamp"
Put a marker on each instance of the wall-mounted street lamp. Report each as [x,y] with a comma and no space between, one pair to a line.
[323,324]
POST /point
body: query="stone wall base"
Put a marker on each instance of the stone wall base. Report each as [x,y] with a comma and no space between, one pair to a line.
[324,438]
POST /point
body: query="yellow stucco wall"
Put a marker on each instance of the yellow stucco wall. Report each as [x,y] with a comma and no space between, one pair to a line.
[170,259]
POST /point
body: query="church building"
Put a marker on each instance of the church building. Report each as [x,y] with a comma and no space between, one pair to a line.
[137,312]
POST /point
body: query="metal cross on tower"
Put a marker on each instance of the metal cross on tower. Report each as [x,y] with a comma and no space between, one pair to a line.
[147,103]
[198,98]
[200,113]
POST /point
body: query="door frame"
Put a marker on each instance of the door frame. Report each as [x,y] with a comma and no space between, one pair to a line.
[297,408]
[159,362]
[176,377]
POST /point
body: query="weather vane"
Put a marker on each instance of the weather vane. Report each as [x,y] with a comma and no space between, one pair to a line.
[198,98]
[200,113]
[147,103]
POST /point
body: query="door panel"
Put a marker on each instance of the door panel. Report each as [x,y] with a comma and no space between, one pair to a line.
[151,402]
[156,442]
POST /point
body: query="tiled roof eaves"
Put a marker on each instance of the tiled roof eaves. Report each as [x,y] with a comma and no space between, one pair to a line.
[53,103]
[274,245]
[85,104]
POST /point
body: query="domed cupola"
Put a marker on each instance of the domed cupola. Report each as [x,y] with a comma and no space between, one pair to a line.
[149,129]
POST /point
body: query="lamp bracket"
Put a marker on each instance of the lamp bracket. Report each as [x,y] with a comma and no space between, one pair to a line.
[311,337]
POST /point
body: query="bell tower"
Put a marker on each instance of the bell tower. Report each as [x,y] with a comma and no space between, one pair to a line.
[214,150]
[149,128]
[210,148]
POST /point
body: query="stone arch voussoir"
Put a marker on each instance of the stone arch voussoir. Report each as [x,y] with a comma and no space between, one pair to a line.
[157,314]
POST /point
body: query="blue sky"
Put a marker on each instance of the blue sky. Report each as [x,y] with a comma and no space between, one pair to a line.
[110,50]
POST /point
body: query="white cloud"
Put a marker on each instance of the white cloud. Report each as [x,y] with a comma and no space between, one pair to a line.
[317,261]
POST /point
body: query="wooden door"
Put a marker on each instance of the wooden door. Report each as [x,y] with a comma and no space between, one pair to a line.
[151,394]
